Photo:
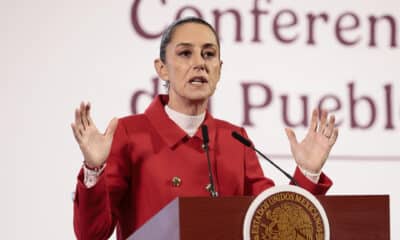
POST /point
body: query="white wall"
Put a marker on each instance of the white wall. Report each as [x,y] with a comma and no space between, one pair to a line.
[53,54]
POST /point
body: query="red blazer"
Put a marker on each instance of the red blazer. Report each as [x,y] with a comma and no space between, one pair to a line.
[148,151]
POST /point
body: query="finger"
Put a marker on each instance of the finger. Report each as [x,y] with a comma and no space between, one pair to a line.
[88,117]
[82,113]
[85,115]
[291,136]
[75,131]
[322,124]
[78,121]
[329,129]
[314,121]
[80,130]
[333,137]
[112,126]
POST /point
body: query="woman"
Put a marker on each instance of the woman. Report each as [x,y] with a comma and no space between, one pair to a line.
[143,162]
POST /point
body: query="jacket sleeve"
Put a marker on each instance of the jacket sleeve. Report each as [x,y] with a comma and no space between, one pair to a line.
[96,208]
[320,188]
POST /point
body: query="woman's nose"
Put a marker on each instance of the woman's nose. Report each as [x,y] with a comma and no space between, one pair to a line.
[198,62]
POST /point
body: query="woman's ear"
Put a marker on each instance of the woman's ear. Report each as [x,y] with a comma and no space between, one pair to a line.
[161,69]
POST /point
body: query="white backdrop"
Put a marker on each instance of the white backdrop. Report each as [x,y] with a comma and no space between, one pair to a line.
[53,54]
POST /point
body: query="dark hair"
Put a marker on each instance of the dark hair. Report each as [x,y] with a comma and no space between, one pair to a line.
[169,31]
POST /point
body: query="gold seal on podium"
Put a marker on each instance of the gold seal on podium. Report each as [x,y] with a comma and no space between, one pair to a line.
[286,212]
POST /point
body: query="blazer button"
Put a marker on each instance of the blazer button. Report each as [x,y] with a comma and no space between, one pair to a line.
[208,187]
[176,181]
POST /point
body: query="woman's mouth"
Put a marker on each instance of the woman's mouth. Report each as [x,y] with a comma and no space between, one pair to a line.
[198,80]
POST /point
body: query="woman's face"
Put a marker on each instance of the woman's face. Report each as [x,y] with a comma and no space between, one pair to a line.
[192,65]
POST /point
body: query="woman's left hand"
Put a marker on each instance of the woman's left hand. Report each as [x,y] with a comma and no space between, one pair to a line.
[311,153]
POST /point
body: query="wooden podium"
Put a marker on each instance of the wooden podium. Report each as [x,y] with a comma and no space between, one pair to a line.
[202,218]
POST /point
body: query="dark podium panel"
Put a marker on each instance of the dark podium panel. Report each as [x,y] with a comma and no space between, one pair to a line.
[200,218]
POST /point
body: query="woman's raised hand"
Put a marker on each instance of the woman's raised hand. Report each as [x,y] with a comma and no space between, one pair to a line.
[312,152]
[94,145]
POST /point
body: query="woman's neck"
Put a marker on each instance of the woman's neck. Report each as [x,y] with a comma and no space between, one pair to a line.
[188,123]
[188,107]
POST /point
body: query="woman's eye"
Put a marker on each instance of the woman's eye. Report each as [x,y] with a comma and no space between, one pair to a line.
[208,54]
[185,53]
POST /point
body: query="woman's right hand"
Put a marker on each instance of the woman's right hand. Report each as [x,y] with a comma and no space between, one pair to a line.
[94,145]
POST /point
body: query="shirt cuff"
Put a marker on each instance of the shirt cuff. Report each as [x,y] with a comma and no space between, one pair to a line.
[90,177]
[313,177]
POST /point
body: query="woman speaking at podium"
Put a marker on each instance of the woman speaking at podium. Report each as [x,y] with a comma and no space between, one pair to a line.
[143,162]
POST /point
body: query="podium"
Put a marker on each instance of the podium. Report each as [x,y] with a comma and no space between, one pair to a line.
[199,218]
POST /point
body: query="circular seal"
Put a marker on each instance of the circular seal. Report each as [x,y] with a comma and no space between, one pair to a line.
[285,212]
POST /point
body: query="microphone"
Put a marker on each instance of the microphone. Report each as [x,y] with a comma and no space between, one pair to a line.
[211,186]
[249,144]
[204,132]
